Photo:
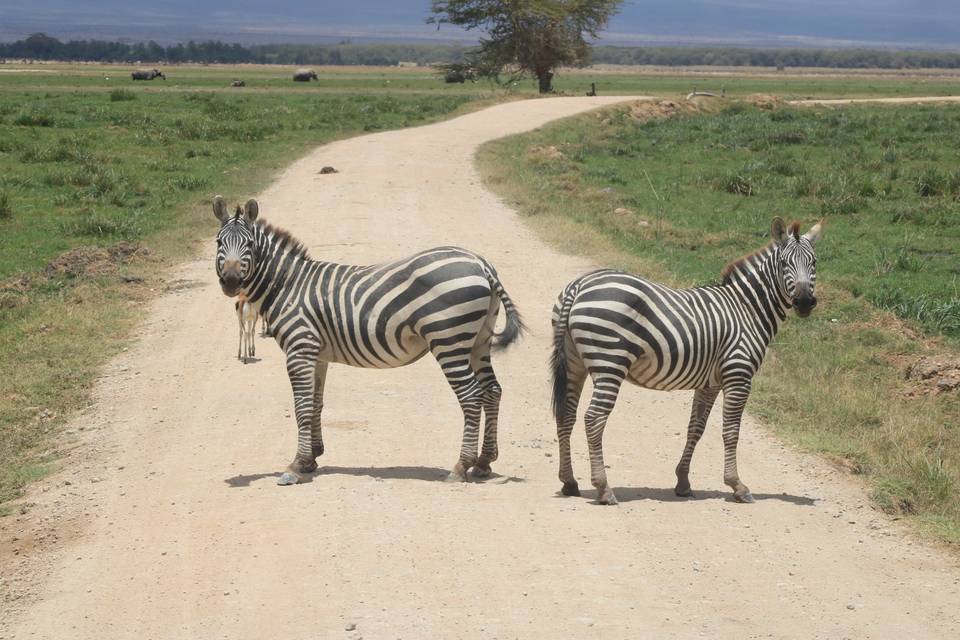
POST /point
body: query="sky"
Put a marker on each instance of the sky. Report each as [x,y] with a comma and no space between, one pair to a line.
[929,24]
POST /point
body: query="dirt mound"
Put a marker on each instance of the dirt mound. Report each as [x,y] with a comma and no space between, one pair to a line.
[764,101]
[644,110]
[934,375]
[94,261]
[544,152]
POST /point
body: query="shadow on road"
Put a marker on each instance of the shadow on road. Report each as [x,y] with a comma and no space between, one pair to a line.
[427,474]
[660,494]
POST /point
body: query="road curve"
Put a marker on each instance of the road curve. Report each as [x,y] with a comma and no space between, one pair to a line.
[172,525]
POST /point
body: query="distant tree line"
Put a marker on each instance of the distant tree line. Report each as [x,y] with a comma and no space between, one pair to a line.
[40,46]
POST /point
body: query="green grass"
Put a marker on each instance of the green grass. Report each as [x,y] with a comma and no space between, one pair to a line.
[701,188]
[82,170]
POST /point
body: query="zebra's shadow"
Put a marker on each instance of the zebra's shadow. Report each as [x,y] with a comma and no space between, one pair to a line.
[661,494]
[425,474]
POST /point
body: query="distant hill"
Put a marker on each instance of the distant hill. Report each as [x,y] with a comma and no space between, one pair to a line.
[920,24]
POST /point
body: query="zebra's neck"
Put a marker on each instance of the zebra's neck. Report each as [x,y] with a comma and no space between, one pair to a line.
[757,283]
[278,258]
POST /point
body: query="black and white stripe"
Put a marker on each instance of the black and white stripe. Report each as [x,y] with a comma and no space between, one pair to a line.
[614,326]
[444,301]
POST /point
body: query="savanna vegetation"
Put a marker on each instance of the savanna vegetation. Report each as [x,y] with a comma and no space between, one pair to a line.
[99,190]
[677,191]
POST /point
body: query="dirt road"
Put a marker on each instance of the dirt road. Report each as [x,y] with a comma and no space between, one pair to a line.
[168,523]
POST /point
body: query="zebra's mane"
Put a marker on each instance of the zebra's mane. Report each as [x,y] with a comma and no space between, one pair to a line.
[285,238]
[736,263]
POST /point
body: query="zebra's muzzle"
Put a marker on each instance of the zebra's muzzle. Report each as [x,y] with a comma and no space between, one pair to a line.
[804,304]
[230,283]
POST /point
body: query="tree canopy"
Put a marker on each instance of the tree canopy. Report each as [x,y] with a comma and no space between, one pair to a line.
[525,36]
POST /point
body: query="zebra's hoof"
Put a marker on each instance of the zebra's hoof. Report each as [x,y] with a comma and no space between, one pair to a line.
[570,488]
[683,492]
[480,471]
[455,477]
[746,498]
[607,497]
[287,478]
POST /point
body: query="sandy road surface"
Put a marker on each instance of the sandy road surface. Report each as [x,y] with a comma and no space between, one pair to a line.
[182,532]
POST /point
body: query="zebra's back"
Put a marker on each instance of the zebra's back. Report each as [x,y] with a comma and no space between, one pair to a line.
[655,336]
[390,315]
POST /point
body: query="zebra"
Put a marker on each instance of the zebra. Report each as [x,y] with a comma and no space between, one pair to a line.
[443,300]
[247,319]
[614,326]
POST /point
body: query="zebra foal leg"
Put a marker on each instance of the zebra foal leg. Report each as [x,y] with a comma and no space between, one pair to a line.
[734,400]
[605,391]
[302,372]
[703,401]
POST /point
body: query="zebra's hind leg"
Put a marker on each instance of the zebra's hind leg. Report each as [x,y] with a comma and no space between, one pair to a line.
[576,376]
[605,391]
[735,396]
[703,401]
[470,397]
[492,392]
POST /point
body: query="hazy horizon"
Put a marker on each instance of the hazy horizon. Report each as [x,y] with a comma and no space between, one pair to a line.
[912,24]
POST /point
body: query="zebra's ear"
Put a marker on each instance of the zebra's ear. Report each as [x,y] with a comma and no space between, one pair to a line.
[251,210]
[220,208]
[778,231]
[815,232]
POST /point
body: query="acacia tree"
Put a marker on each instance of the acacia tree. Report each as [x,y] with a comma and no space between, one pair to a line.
[525,36]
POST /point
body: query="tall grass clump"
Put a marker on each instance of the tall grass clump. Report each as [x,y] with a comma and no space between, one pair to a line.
[122,95]
[6,207]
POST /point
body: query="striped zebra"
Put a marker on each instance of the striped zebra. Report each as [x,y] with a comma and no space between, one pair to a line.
[443,300]
[614,326]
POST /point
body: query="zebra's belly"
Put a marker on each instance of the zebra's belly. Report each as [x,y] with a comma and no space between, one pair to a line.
[646,373]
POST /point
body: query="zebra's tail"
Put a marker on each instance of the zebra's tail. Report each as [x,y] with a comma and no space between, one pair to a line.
[558,358]
[514,327]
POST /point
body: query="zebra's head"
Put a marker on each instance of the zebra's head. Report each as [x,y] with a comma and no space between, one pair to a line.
[236,255]
[797,265]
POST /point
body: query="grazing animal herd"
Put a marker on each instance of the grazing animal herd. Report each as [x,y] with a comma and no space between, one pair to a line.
[608,325]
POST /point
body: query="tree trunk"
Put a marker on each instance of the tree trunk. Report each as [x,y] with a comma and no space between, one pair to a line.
[545,79]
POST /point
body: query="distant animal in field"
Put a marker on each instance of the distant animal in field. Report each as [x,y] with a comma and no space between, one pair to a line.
[238,83]
[247,318]
[304,75]
[442,301]
[147,74]
[614,327]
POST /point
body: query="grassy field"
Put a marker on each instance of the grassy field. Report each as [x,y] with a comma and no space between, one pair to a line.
[801,83]
[102,178]
[677,192]
[100,190]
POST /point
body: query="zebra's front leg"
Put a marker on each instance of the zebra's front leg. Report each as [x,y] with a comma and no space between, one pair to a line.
[703,401]
[605,390]
[470,396]
[301,368]
[735,396]
[316,434]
